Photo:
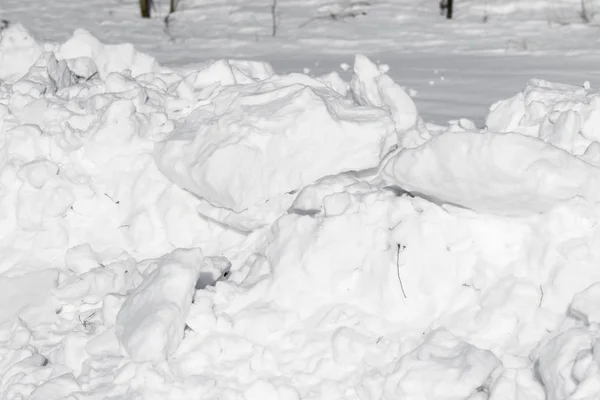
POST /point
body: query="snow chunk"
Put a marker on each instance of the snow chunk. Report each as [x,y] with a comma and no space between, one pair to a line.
[565,116]
[18,52]
[443,367]
[108,58]
[151,322]
[509,174]
[310,199]
[586,304]
[50,73]
[265,139]
[229,72]
[370,86]
[567,362]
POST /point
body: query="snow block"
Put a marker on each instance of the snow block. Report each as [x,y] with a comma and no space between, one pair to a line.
[507,174]
[150,323]
[266,139]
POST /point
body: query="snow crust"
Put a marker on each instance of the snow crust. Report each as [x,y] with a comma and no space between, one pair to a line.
[227,232]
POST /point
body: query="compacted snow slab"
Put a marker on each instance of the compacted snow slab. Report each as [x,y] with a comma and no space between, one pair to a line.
[273,137]
[508,173]
[340,268]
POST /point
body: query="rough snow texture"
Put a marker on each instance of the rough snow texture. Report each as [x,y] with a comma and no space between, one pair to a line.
[564,116]
[244,146]
[341,285]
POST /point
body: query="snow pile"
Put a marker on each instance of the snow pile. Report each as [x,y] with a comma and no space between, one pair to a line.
[231,233]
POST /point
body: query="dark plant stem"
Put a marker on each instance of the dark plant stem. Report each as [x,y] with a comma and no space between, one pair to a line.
[274,17]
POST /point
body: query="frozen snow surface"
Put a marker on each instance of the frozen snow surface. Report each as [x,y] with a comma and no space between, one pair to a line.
[226,232]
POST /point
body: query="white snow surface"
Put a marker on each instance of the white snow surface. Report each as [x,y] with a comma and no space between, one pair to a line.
[231,233]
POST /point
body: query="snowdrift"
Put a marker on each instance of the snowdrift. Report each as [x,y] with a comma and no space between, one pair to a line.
[231,233]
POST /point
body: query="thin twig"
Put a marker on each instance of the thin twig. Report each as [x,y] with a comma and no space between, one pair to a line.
[111,199]
[541,297]
[400,248]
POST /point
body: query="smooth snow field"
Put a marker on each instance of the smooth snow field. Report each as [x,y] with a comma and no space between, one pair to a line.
[389,206]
